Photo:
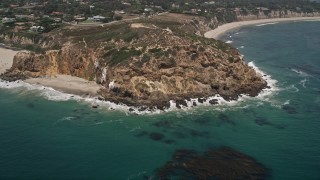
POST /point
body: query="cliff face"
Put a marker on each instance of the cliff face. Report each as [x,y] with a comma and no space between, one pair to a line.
[69,60]
[238,14]
[265,14]
[145,63]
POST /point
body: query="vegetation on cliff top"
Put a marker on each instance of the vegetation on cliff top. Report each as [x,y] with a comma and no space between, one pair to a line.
[146,62]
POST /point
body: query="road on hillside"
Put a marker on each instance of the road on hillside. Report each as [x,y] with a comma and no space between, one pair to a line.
[112,22]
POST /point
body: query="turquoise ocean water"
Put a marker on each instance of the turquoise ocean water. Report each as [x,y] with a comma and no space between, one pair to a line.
[47,139]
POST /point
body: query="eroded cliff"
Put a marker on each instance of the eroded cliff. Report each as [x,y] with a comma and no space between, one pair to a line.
[144,63]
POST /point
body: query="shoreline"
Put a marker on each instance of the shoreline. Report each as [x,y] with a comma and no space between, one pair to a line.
[220,30]
[63,83]
[88,91]
[66,87]
[68,84]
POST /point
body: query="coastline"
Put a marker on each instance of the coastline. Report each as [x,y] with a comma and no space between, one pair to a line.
[88,90]
[63,83]
[68,84]
[220,30]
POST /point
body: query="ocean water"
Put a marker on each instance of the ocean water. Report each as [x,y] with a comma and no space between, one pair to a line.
[45,137]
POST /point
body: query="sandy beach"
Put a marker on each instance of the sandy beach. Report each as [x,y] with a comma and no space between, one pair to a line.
[79,86]
[6,59]
[63,83]
[68,84]
[215,33]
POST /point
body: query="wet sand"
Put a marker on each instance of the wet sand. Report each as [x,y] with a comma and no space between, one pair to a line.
[68,84]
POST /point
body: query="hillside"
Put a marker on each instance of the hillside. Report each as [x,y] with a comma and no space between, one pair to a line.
[145,62]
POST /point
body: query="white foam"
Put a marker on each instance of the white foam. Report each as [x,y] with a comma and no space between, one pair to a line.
[286,102]
[229,42]
[301,73]
[68,118]
[270,82]
[111,85]
[137,175]
[52,94]
[267,24]
[135,129]
[303,82]
[47,92]
[292,88]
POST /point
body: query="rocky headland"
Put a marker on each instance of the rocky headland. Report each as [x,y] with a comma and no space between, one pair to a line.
[144,63]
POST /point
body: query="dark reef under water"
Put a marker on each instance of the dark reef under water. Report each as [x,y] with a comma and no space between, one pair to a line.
[223,163]
[276,137]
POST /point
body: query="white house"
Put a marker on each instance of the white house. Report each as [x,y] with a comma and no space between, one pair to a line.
[8,20]
[36,28]
[98,18]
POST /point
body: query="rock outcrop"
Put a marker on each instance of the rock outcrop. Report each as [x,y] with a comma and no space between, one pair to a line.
[144,63]
[213,164]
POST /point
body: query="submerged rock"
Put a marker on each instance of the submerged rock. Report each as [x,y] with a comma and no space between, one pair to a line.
[262,121]
[224,118]
[143,67]
[30,105]
[289,109]
[156,136]
[222,163]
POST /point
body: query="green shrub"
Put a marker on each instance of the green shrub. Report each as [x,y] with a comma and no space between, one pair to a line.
[155,50]
[122,56]
[145,58]
[33,48]
[129,36]
[230,59]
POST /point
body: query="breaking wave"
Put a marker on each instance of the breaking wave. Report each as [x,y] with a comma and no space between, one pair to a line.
[303,82]
[267,24]
[301,73]
[54,95]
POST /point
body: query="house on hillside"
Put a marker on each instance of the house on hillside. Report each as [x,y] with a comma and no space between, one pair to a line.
[148,11]
[36,28]
[8,20]
[57,13]
[14,5]
[30,17]
[79,18]
[119,12]
[22,16]
[98,18]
